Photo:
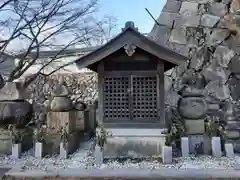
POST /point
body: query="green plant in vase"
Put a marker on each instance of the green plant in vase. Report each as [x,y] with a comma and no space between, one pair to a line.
[64,136]
[16,135]
[39,133]
[101,138]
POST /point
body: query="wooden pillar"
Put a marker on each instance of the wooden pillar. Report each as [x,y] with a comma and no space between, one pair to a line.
[101,92]
[160,93]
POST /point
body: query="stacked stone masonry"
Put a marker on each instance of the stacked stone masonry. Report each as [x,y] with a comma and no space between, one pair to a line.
[199,30]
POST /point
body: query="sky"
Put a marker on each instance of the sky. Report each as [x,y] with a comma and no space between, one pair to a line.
[133,10]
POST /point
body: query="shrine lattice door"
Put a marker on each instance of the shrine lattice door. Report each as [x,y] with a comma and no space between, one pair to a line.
[130,98]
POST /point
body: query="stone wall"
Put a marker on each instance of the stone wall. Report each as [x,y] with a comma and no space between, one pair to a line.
[82,86]
[199,30]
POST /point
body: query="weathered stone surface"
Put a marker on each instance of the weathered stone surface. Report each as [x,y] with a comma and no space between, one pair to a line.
[167,18]
[234,85]
[185,146]
[59,104]
[234,65]
[217,37]
[199,59]
[133,146]
[167,83]
[216,147]
[12,91]
[57,120]
[167,154]
[199,144]
[209,20]
[213,73]
[192,107]
[160,34]
[172,6]
[223,55]
[218,90]
[218,9]
[195,126]
[233,134]
[172,98]
[189,8]
[178,36]
[80,106]
[18,113]
[187,21]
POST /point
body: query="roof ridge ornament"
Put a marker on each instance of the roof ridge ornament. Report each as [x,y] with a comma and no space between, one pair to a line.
[130,49]
[129,24]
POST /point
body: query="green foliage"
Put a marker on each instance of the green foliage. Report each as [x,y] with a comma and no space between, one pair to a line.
[16,135]
[64,135]
[101,137]
[214,129]
[39,133]
[176,130]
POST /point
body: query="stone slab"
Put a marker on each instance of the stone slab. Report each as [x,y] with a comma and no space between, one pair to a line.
[129,173]
[12,91]
[133,147]
[56,120]
[199,139]
[195,126]
[216,147]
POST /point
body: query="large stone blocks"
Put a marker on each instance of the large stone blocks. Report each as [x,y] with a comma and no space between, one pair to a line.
[134,143]
[56,120]
[195,126]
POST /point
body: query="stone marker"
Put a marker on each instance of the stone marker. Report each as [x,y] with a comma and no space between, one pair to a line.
[16,150]
[167,154]
[185,146]
[38,150]
[216,147]
[63,150]
[229,150]
[98,155]
[12,91]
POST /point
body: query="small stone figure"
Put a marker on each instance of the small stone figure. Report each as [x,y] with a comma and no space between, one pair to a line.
[61,102]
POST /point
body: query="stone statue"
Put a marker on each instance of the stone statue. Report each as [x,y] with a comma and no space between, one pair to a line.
[192,105]
[61,101]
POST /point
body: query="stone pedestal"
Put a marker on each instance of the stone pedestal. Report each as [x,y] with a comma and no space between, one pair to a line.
[98,155]
[195,126]
[16,150]
[63,150]
[56,120]
[216,147]
[229,150]
[38,150]
[167,154]
[185,146]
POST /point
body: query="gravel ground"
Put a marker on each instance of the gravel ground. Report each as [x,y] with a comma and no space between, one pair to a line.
[82,158]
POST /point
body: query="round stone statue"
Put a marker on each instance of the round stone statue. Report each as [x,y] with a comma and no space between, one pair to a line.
[192,105]
[61,102]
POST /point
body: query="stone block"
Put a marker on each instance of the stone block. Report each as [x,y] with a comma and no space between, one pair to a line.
[229,150]
[233,134]
[56,120]
[223,55]
[38,150]
[16,150]
[80,121]
[218,9]
[172,6]
[98,155]
[189,8]
[133,147]
[187,21]
[217,36]
[160,34]
[185,146]
[209,20]
[216,147]
[167,18]
[199,144]
[178,35]
[195,126]
[64,150]
[12,91]
[167,154]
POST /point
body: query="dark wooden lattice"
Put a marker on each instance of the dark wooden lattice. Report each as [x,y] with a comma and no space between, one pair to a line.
[116,98]
[144,101]
[130,98]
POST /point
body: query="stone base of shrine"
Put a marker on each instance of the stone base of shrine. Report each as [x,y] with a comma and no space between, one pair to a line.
[134,143]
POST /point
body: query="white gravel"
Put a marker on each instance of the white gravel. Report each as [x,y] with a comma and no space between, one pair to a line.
[82,159]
